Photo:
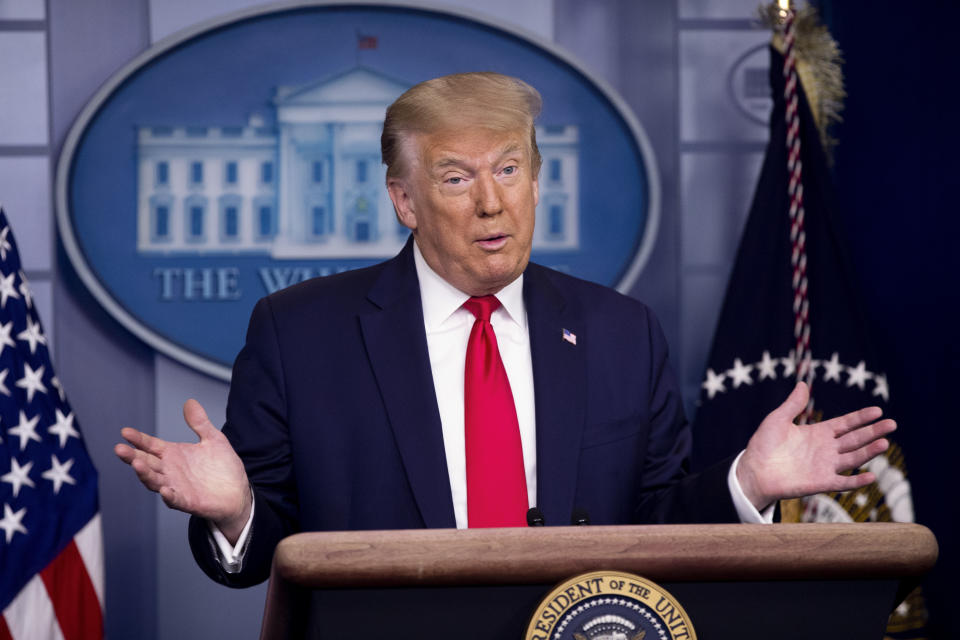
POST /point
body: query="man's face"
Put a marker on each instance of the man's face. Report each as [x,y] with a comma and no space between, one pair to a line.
[470,198]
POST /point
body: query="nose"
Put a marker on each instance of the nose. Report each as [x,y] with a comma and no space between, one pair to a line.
[488,196]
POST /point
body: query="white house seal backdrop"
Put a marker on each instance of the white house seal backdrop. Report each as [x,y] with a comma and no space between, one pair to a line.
[242,156]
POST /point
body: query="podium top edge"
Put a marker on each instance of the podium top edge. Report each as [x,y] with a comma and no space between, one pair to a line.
[437,557]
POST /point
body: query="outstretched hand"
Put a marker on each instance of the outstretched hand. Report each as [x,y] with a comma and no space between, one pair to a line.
[205,479]
[786,460]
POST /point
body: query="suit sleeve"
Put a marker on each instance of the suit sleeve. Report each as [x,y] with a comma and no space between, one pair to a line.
[257,428]
[670,493]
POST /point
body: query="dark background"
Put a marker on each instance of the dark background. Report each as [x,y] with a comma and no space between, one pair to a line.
[896,175]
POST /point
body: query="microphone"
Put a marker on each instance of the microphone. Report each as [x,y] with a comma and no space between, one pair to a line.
[535,517]
[580,517]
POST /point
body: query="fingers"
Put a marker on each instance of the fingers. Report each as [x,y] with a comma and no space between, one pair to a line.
[860,444]
[143,441]
[128,454]
[125,452]
[145,466]
[171,498]
[851,482]
[149,470]
[858,458]
[795,402]
[196,418]
[860,436]
[855,419]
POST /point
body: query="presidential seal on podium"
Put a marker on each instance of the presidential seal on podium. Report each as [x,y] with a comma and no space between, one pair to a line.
[609,605]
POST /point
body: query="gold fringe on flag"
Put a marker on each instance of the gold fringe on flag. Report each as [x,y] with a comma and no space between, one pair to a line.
[819,65]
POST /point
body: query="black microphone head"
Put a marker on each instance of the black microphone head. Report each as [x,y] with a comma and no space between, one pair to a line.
[535,517]
[580,517]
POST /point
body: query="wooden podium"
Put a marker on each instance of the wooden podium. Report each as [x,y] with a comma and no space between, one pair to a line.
[735,581]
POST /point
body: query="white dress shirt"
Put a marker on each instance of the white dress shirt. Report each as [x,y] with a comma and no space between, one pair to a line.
[448,326]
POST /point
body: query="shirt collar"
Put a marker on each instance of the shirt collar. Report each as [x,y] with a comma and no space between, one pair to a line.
[440,299]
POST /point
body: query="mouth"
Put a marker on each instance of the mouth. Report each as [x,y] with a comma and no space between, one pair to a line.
[493,242]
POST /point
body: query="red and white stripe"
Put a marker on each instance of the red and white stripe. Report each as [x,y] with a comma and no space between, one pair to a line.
[65,600]
[798,237]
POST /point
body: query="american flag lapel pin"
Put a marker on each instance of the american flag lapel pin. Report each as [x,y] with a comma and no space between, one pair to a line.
[570,337]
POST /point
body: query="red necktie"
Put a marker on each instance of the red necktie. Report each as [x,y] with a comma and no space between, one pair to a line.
[496,483]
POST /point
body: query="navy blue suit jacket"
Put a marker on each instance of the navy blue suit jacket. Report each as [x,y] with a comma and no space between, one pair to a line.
[333,411]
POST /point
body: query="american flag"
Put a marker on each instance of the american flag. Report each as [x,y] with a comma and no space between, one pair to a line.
[51,549]
[365,41]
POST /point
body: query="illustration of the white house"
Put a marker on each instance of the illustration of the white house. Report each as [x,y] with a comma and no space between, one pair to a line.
[313,186]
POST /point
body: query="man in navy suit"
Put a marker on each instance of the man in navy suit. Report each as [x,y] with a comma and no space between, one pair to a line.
[346,407]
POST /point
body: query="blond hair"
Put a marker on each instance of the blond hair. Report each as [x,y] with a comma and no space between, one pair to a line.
[481,99]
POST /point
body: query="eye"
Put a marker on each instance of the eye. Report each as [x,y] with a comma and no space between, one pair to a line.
[509,170]
[454,180]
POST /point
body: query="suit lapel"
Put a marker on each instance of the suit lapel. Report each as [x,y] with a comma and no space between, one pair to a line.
[397,348]
[559,381]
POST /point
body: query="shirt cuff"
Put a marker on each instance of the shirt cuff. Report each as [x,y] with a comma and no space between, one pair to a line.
[745,510]
[231,556]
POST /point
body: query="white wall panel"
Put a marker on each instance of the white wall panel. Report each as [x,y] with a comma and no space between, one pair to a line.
[717,191]
[25,196]
[22,9]
[708,110]
[726,10]
[23,98]
[590,23]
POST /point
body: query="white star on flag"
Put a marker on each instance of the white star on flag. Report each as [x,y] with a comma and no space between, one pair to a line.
[55,383]
[4,244]
[26,430]
[881,389]
[63,428]
[789,364]
[858,375]
[832,367]
[5,339]
[714,383]
[25,290]
[740,373]
[32,335]
[31,381]
[11,522]
[18,476]
[7,290]
[58,473]
[3,385]
[767,367]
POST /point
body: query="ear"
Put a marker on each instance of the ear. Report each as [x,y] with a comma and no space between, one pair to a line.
[402,200]
[536,191]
